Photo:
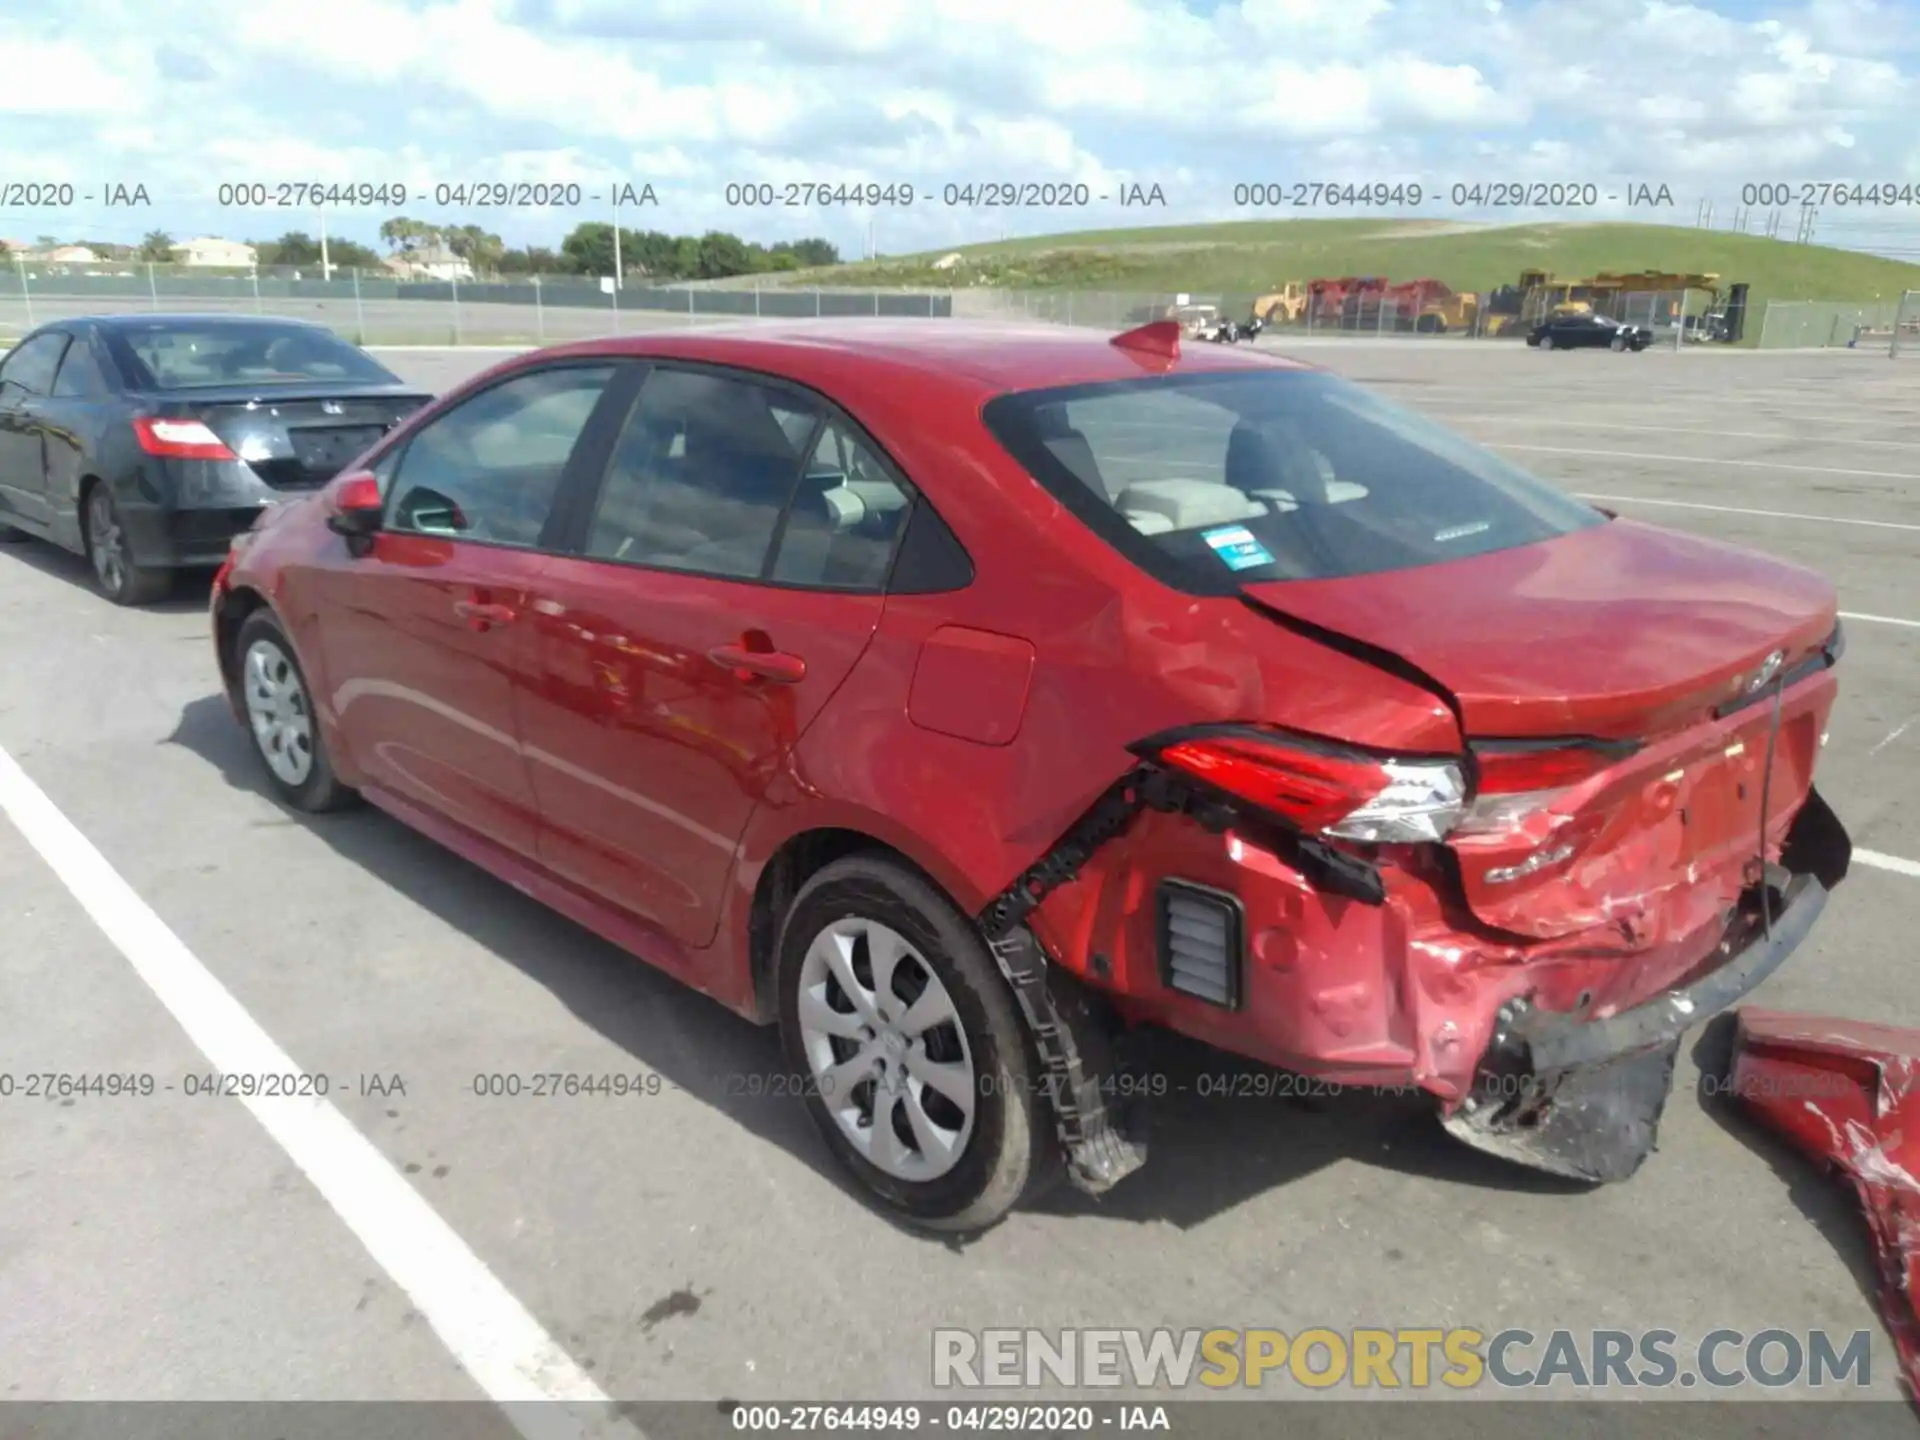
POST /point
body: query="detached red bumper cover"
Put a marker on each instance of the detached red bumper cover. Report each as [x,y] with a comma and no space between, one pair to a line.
[1849,1093]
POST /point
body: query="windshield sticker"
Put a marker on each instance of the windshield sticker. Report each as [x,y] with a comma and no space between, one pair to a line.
[1235,545]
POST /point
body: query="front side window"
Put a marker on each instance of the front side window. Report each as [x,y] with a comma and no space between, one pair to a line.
[490,468]
[29,369]
[1214,480]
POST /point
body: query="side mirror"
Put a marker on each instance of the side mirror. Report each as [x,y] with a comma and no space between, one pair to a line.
[355,506]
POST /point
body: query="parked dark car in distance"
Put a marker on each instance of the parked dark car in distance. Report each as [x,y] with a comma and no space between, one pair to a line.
[966,699]
[146,442]
[1588,332]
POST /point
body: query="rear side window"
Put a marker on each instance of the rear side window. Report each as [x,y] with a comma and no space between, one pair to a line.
[701,474]
[1211,481]
[846,516]
[80,376]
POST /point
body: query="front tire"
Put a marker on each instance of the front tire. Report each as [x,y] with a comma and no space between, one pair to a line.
[920,1075]
[121,578]
[1546,342]
[280,718]
[1617,345]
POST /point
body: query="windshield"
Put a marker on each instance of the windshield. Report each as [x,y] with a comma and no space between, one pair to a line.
[174,356]
[1212,481]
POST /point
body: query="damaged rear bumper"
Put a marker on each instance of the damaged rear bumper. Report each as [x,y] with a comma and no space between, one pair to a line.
[1583,1097]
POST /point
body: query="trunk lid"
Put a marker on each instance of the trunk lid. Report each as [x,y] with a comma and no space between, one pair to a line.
[1618,632]
[298,437]
[1621,630]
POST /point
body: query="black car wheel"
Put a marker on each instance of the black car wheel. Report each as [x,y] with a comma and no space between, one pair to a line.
[1619,342]
[1546,342]
[122,578]
[917,1069]
[273,695]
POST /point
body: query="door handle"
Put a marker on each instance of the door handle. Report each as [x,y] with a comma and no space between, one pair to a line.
[759,664]
[480,614]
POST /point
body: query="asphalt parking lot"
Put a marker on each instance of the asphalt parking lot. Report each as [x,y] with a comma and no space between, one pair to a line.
[697,1243]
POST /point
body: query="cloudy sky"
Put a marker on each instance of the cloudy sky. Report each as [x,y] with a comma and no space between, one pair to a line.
[182,96]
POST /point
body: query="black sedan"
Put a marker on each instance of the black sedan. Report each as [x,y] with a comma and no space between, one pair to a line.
[1577,332]
[146,442]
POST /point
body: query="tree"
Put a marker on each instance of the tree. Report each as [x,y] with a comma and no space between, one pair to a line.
[408,236]
[156,248]
[296,247]
[809,253]
[352,253]
[479,248]
[533,260]
[718,254]
[588,249]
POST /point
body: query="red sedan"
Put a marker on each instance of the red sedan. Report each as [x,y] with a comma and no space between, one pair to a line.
[966,700]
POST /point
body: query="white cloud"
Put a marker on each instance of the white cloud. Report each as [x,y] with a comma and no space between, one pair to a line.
[692,94]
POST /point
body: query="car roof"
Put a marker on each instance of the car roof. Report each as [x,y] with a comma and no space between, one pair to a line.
[987,357]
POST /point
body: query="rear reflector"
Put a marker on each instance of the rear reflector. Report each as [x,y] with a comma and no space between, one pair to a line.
[1201,935]
[180,439]
[1321,788]
[1554,766]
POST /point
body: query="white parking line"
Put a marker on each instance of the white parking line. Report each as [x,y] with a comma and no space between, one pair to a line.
[1566,422]
[1879,619]
[1888,862]
[492,1336]
[1741,510]
[1703,460]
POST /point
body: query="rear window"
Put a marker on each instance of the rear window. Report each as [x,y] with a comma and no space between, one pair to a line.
[166,356]
[1213,481]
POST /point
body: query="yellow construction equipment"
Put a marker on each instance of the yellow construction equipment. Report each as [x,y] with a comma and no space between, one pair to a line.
[1284,305]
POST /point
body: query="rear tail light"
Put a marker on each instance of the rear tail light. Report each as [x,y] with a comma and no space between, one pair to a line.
[1520,779]
[1324,789]
[180,439]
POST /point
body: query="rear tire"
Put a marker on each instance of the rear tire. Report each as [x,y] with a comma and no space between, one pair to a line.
[121,578]
[1546,342]
[273,694]
[884,983]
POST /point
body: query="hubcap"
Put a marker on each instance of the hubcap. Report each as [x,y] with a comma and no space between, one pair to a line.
[106,542]
[278,712]
[887,1049]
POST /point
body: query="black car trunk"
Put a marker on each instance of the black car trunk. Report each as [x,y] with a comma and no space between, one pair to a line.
[301,438]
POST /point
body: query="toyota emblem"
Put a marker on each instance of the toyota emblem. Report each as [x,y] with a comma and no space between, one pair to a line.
[1769,668]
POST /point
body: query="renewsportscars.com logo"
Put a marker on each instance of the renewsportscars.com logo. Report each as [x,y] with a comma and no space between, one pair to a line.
[1409,1358]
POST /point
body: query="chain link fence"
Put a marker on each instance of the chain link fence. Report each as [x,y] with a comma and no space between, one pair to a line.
[376,307]
[1825,324]
[1905,339]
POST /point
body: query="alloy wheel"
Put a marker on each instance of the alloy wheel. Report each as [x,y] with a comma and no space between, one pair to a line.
[278,712]
[106,542]
[887,1049]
